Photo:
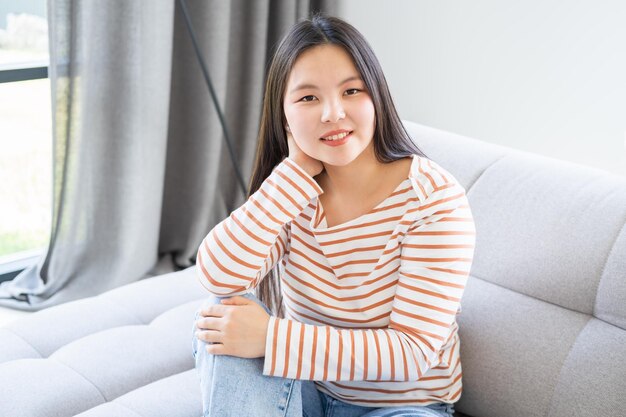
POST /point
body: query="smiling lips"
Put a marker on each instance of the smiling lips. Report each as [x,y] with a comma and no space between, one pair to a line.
[337,139]
[336,135]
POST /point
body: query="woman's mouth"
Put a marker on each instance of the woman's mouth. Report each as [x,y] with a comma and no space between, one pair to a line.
[338,139]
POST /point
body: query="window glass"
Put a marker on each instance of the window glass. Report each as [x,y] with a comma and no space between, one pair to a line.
[25,165]
[25,132]
[23,34]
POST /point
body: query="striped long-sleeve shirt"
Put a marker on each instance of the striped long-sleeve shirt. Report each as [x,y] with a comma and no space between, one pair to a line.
[370,304]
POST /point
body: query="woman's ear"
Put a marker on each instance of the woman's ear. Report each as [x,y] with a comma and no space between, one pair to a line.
[287,128]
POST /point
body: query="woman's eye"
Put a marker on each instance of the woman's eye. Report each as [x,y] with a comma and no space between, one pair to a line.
[352,91]
[307,98]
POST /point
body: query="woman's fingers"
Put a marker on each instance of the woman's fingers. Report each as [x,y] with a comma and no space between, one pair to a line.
[241,330]
[214,310]
[216,349]
[311,165]
[210,323]
[209,336]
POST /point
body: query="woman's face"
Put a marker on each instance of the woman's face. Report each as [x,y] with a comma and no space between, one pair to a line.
[328,109]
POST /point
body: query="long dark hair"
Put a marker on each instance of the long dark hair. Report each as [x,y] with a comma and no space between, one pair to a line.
[391,140]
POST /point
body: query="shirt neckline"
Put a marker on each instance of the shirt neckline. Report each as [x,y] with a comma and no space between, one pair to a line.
[319,209]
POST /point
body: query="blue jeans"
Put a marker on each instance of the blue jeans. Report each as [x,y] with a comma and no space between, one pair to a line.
[234,386]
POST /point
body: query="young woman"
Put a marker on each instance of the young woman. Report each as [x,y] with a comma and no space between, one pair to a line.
[370,241]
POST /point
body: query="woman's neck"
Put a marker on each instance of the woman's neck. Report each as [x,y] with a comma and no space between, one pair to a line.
[360,176]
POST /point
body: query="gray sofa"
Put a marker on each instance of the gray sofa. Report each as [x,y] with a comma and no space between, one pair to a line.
[542,326]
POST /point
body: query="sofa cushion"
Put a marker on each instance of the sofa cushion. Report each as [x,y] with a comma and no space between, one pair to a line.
[543,321]
[42,333]
[593,377]
[611,299]
[105,351]
[44,387]
[545,228]
[513,348]
[464,157]
[178,395]
[124,358]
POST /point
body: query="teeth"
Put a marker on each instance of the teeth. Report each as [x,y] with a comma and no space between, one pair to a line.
[337,137]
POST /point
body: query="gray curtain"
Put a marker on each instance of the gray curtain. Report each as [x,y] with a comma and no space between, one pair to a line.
[141,170]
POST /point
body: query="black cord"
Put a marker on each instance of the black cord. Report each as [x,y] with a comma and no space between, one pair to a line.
[205,72]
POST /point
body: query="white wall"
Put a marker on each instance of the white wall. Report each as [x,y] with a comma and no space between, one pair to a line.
[543,76]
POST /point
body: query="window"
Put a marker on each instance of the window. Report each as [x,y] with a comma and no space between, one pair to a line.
[25,135]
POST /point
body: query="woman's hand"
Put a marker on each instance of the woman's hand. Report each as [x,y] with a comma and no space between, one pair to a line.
[312,166]
[237,327]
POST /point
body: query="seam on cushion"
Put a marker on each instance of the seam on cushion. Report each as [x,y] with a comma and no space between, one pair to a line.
[606,261]
[470,186]
[544,301]
[120,399]
[167,311]
[530,296]
[123,309]
[148,323]
[118,404]
[27,342]
[569,353]
[104,399]
[125,406]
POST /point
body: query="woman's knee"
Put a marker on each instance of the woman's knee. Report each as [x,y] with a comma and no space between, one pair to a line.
[214,299]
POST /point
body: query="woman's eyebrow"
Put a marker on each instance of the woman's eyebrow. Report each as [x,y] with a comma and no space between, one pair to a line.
[313,86]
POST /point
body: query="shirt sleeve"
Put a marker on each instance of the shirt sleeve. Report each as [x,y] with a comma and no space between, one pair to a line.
[436,256]
[235,256]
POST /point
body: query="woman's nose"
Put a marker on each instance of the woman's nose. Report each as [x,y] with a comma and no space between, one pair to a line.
[333,112]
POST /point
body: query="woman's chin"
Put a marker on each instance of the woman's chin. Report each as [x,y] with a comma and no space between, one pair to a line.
[338,162]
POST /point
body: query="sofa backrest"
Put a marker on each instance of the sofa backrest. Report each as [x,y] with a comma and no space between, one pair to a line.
[543,322]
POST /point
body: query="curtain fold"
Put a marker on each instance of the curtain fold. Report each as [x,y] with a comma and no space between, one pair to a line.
[141,170]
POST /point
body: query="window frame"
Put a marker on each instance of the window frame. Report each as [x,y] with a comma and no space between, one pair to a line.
[11,265]
[23,73]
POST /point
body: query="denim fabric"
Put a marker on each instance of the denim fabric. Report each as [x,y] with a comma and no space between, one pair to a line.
[319,404]
[234,386]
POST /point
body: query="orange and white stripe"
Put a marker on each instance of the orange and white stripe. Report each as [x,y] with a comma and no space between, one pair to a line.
[371,304]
